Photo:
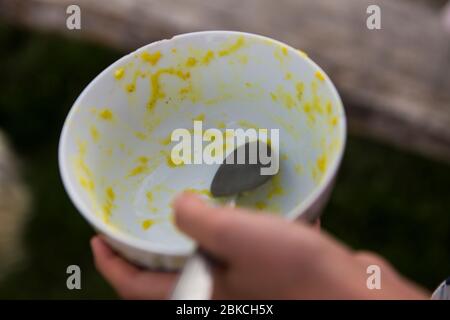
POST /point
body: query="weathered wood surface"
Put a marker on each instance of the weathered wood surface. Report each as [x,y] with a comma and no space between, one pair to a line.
[395,82]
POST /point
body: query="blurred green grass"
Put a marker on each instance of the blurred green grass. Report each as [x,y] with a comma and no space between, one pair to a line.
[385,200]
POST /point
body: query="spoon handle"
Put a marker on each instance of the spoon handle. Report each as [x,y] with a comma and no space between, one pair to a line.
[195,281]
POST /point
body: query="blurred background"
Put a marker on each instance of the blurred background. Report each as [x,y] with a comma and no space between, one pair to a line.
[392,194]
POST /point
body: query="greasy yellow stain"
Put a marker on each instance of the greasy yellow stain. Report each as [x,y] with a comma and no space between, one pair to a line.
[110,194]
[308,110]
[147,223]
[334,121]
[321,163]
[109,203]
[137,170]
[245,124]
[149,196]
[285,97]
[329,107]
[131,87]
[142,167]
[191,62]
[106,114]
[151,58]
[167,140]
[94,133]
[208,57]
[221,125]
[275,188]
[288,76]
[119,73]
[284,50]
[143,159]
[300,88]
[200,117]
[317,104]
[155,86]
[205,192]
[319,75]
[234,47]
[140,135]
[261,205]
[85,176]
[185,90]
[302,53]
[170,162]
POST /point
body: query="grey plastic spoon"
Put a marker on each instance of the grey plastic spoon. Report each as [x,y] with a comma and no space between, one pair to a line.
[231,179]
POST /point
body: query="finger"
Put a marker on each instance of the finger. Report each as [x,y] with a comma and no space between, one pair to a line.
[129,281]
[202,222]
[234,233]
[115,269]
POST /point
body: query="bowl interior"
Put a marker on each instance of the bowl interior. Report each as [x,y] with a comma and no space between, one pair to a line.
[116,146]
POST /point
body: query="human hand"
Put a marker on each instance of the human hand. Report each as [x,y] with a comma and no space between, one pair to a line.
[263,257]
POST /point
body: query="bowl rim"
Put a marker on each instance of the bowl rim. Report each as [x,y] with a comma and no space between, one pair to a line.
[155,248]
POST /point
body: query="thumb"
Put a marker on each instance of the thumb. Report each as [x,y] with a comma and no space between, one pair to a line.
[233,234]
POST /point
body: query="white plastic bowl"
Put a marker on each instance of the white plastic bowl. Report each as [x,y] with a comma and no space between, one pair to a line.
[115,143]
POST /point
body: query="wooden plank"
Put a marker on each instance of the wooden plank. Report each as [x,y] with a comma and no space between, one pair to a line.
[395,82]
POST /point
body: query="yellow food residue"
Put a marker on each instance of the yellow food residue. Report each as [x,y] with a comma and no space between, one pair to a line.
[119,73]
[106,114]
[140,135]
[94,133]
[85,176]
[156,90]
[275,188]
[208,57]
[109,203]
[142,167]
[200,117]
[221,125]
[329,107]
[167,140]
[171,163]
[319,75]
[284,50]
[302,53]
[285,97]
[322,163]
[191,62]
[234,47]
[300,88]
[205,192]
[334,121]
[245,124]
[261,205]
[147,223]
[151,58]
[317,104]
[131,87]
